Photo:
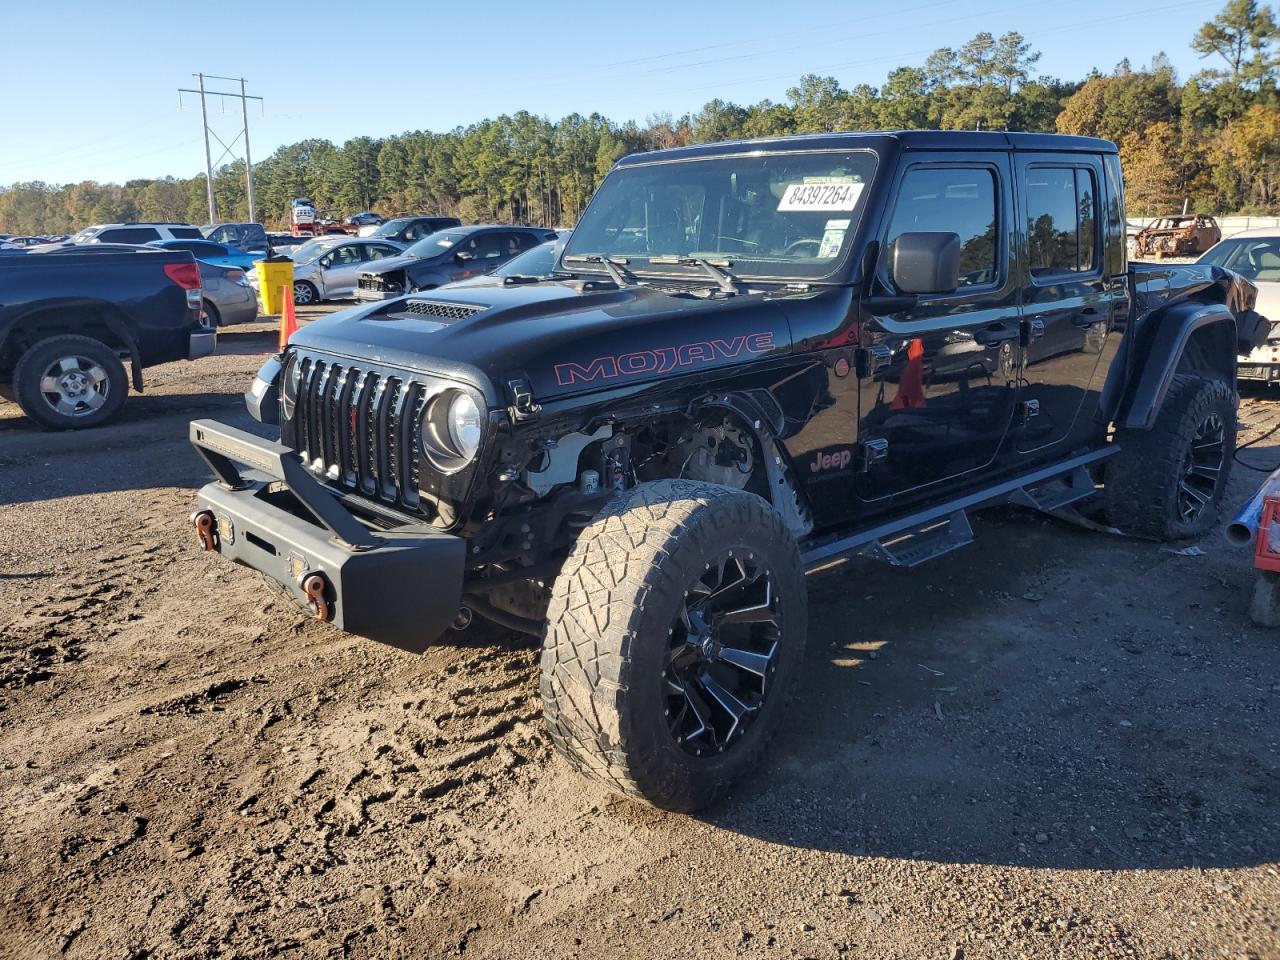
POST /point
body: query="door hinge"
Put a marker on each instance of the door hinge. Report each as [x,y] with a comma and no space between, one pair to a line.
[522,406]
[871,360]
[871,452]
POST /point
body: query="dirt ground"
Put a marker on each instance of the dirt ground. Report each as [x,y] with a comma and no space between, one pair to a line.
[1054,743]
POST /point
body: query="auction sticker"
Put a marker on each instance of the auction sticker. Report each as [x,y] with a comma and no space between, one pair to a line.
[833,195]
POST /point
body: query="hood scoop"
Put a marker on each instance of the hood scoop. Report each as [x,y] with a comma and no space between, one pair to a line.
[439,309]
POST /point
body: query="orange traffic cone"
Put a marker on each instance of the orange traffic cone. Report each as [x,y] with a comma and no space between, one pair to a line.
[288,318]
[911,380]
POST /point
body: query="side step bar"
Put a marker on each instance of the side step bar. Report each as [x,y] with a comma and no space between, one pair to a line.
[910,540]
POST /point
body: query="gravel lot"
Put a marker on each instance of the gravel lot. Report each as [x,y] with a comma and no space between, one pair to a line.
[1055,743]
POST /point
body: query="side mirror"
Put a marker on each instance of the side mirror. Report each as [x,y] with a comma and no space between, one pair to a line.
[926,262]
[462,256]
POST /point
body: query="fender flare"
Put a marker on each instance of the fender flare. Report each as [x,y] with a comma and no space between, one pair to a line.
[1134,395]
[760,413]
[109,316]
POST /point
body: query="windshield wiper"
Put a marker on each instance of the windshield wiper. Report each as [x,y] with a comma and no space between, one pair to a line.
[618,273]
[725,280]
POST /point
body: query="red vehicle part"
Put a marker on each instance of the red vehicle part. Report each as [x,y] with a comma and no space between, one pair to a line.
[1266,552]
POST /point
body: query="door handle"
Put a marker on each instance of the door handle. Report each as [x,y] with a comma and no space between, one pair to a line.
[994,334]
[1087,317]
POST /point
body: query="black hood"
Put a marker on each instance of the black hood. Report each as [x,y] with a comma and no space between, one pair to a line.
[563,337]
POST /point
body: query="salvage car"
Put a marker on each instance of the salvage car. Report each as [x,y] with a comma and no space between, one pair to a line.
[326,268]
[71,320]
[227,296]
[210,252]
[1255,255]
[1184,235]
[744,369]
[407,230]
[446,256]
[536,264]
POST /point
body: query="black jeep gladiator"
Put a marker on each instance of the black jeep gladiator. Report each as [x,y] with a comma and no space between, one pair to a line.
[756,359]
[71,319]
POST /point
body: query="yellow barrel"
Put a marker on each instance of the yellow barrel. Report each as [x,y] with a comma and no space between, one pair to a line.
[275,276]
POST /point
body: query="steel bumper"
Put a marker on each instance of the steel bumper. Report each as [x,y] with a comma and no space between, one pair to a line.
[402,587]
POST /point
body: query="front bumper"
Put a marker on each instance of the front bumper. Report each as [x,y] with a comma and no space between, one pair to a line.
[1261,372]
[402,586]
[201,343]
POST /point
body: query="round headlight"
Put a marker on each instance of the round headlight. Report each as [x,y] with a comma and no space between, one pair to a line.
[289,388]
[464,425]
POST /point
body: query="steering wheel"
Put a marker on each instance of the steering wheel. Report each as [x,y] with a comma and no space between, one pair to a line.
[793,248]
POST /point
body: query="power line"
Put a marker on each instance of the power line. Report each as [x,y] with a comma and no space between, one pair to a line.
[204,121]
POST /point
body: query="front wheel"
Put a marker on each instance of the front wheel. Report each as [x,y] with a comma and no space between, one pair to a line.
[70,382]
[1168,482]
[304,293]
[675,632]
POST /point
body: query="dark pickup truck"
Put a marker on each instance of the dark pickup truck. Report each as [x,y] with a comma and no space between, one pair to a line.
[70,321]
[756,360]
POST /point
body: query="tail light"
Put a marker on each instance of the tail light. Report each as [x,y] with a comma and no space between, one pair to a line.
[187,276]
[237,276]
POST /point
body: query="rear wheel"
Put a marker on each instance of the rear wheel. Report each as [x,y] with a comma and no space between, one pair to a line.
[70,382]
[676,630]
[1168,482]
[211,315]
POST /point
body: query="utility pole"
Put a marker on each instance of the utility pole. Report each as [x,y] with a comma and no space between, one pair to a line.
[204,120]
[208,163]
[248,164]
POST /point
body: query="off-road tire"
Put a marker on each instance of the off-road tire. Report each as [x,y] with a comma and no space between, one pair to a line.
[609,619]
[37,360]
[1142,480]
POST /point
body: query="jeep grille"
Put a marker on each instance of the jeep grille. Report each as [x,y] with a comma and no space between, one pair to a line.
[447,311]
[360,429]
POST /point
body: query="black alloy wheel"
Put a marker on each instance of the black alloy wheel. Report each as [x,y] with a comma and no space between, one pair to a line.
[722,655]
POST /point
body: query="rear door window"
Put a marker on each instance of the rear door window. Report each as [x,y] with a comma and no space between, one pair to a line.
[128,235]
[1061,220]
[185,233]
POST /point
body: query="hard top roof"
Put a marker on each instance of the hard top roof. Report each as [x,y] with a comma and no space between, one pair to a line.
[907,139]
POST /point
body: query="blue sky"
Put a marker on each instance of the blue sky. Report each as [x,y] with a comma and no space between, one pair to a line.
[91,87]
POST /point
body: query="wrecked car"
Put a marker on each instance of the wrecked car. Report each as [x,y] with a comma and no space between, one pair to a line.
[755,360]
[1186,235]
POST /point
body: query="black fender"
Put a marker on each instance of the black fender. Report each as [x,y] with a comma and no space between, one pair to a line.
[107,313]
[1154,350]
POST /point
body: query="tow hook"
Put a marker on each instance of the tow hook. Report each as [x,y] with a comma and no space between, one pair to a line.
[462,619]
[314,586]
[203,522]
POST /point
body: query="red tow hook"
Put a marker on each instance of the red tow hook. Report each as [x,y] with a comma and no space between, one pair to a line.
[205,529]
[314,586]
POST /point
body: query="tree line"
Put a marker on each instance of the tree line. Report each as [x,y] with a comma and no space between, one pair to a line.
[1212,140]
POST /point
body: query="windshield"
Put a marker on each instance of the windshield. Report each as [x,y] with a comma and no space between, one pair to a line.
[312,250]
[1254,258]
[538,262]
[392,227]
[434,244]
[782,215]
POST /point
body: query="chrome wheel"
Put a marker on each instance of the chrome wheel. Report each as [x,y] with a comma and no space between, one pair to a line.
[74,386]
[722,654]
[1202,468]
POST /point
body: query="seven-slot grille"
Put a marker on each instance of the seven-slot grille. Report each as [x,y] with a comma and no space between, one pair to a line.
[360,429]
[436,308]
